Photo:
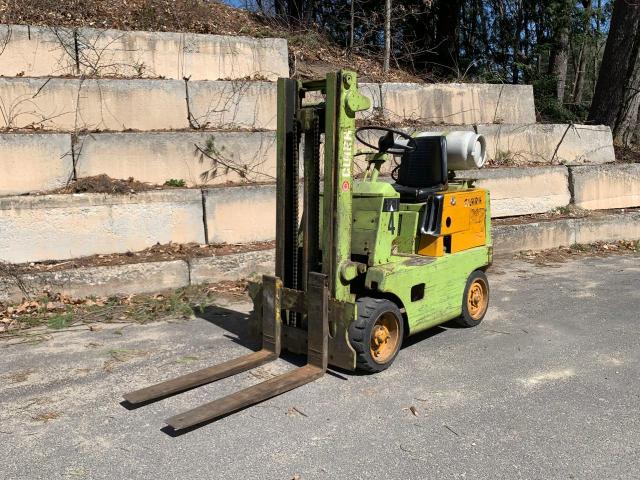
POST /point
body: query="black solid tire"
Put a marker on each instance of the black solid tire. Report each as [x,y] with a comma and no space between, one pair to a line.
[466,320]
[369,310]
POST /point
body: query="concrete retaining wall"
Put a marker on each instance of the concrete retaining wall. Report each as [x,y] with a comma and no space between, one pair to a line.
[101,281]
[533,236]
[108,104]
[34,162]
[73,104]
[240,214]
[154,277]
[565,232]
[159,156]
[66,226]
[522,191]
[56,227]
[608,228]
[36,51]
[147,104]
[232,267]
[458,103]
[549,143]
[606,186]
[48,51]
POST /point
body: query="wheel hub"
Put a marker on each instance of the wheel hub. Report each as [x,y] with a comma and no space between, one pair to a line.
[385,338]
[477,299]
[380,337]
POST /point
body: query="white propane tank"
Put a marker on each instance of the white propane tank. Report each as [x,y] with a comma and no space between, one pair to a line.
[465,150]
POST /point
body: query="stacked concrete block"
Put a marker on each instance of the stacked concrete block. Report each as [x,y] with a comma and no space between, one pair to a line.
[34,162]
[240,214]
[606,186]
[54,51]
[458,103]
[57,227]
[549,143]
[522,191]
[198,158]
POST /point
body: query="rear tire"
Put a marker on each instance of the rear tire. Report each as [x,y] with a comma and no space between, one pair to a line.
[475,300]
[376,335]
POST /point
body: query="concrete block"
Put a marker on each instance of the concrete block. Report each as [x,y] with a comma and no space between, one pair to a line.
[533,236]
[606,186]
[549,143]
[230,105]
[103,281]
[90,104]
[608,228]
[458,104]
[34,162]
[156,157]
[51,51]
[58,227]
[522,191]
[372,92]
[240,214]
[232,267]
[36,51]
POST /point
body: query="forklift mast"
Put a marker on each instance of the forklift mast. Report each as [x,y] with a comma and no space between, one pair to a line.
[302,251]
[295,305]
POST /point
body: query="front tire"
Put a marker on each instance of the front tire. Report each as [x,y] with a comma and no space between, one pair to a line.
[376,335]
[475,300]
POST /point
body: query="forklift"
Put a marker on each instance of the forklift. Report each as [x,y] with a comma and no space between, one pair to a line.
[360,263]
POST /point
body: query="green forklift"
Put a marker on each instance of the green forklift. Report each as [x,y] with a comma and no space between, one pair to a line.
[360,263]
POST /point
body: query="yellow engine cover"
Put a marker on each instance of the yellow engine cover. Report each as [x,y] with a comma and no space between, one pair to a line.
[463,224]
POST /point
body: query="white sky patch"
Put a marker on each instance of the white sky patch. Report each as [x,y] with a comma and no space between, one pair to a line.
[546,377]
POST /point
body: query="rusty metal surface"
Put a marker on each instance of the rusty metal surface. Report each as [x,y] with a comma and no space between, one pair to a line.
[294,300]
[244,398]
[318,298]
[200,377]
[271,344]
[341,353]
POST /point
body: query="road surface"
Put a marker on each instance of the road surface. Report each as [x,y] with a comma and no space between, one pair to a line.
[546,387]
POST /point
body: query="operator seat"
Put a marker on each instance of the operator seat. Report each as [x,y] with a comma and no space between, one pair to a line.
[422,171]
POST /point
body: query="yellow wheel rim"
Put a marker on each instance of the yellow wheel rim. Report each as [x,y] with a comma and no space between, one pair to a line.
[477,299]
[385,337]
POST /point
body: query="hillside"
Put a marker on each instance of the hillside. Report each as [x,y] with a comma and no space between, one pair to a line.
[311,52]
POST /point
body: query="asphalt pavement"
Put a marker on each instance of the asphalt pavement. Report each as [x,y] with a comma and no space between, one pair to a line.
[547,387]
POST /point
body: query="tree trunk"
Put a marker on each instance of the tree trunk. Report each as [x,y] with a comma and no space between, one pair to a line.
[559,62]
[518,53]
[387,35]
[353,23]
[581,71]
[559,58]
[615,96]
[447,18]
[627,121]
[280,7]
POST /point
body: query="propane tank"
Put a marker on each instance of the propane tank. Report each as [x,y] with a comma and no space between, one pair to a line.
[465,150]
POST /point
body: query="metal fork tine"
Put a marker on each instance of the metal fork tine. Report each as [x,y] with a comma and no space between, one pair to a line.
[315,368]
[271,342]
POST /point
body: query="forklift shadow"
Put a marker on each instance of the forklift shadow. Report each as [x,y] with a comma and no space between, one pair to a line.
[237,324]
[419,337]
[234,322]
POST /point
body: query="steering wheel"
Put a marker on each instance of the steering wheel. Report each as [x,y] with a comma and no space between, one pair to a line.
[387,142]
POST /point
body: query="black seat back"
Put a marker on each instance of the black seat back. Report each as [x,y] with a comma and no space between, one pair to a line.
[426,166]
